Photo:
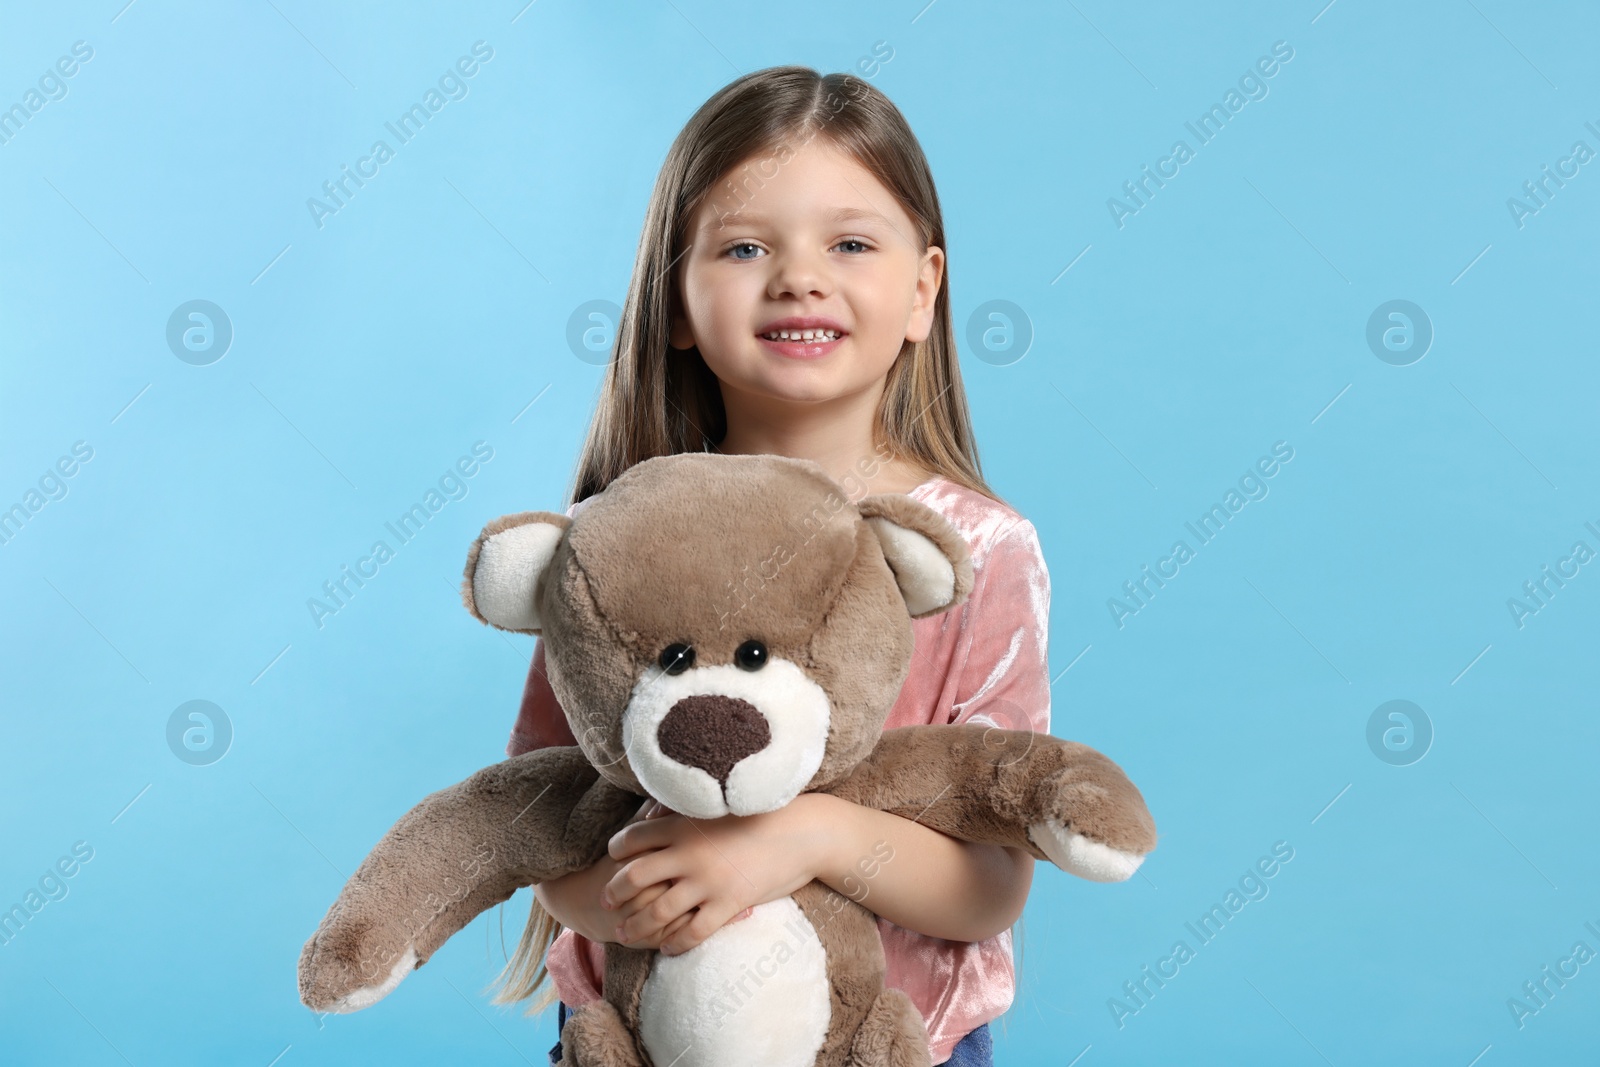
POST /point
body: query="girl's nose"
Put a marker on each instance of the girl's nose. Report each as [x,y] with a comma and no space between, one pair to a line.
[798,275]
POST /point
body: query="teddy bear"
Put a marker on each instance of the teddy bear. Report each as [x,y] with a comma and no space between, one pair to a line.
[723,633]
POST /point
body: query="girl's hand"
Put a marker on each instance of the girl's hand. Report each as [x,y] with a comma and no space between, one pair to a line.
[652,809]
[574,899]
[715,870]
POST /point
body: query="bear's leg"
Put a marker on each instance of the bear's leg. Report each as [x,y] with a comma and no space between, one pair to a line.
[871,1025]
[596,1037]
[892,1034]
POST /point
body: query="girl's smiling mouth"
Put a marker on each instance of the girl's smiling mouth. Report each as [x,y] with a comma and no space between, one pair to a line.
[802,337]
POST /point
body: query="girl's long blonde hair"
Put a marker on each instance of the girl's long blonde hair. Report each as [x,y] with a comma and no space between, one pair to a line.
[659,401]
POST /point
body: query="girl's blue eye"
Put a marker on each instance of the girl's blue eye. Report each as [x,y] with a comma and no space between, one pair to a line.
[733,249]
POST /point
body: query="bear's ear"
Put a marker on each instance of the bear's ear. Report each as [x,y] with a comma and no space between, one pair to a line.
[928,557]
[504,567]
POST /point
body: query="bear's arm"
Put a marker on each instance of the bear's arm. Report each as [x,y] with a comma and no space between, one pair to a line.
[1058,800]
[459,852]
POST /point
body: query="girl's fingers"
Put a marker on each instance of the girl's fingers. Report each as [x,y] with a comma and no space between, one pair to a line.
[706,922]
[648,921]
[648,832]
[635,876]
[677,924]
[644,898]
[670,934]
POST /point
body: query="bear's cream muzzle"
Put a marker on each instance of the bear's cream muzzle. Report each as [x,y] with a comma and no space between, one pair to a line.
[720,740]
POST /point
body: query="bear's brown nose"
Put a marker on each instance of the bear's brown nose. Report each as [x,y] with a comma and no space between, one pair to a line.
[713,733]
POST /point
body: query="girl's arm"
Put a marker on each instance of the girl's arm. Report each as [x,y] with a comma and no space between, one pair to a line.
[889,864]
[910,874]
[573,900]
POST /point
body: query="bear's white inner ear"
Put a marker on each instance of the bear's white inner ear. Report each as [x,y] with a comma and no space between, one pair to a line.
[507,575]
[927,580]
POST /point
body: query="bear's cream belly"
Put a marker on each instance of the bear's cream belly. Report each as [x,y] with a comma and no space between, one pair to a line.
[754,992]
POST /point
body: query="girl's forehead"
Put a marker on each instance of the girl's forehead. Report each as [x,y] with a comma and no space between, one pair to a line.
[815,182]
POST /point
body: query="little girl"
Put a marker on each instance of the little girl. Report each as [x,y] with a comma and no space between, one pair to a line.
[788,298]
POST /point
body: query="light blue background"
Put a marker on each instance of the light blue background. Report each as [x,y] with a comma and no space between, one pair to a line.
[1227,314]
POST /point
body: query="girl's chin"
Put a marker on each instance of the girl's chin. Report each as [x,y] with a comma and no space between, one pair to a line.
[792,388]
[799,381]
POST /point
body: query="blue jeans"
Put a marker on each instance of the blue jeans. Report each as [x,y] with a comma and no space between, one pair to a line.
[974,1050]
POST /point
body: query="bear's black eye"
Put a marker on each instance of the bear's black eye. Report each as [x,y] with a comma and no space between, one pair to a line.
[751,656]
[677,658]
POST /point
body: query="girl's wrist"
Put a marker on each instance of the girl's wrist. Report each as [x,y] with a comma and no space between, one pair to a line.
[825,826]
[576,897]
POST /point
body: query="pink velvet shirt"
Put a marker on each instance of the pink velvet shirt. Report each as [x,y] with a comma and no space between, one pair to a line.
[982,662]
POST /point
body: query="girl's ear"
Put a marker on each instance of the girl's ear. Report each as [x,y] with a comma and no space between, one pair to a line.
[505,565]
[929,558]
[930,276]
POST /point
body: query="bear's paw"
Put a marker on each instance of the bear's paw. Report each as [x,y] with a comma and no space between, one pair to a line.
[328,978]
[1077,854]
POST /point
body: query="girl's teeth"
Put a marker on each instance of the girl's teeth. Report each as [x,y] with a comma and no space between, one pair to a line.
[802,335]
